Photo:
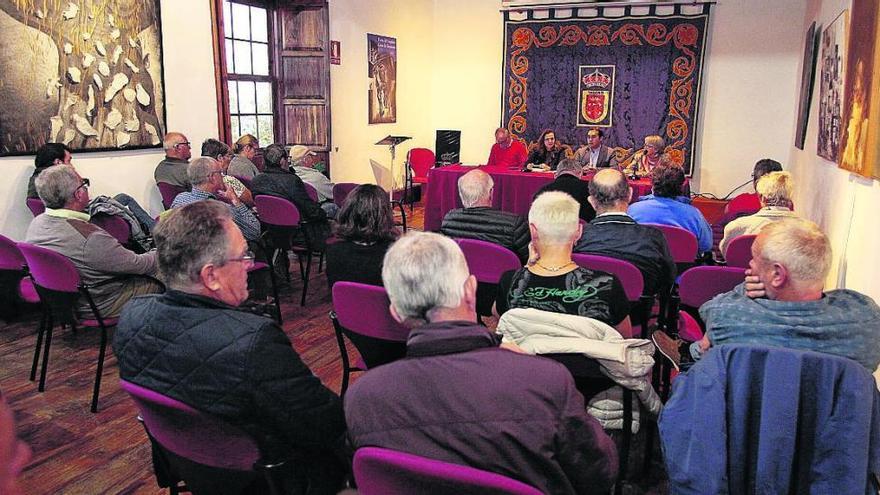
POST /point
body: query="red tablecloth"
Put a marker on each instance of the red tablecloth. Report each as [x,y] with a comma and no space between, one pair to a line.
[514,190]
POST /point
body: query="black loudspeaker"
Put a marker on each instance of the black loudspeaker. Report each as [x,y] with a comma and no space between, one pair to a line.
[448,147]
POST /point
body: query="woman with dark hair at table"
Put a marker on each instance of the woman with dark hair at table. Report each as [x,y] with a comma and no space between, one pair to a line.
[365,229]
[547,153]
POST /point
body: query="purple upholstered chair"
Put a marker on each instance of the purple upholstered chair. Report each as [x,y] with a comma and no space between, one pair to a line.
[15,286]
[169,192]
[697,286]
[58,284]
[360,312]
[341,191]
[682,243]
[282,217]
[36,206]
[114,225]
[739,251]
[630,278]
[311,191]
[381,471]
[198,437]
[258,266]
[487,262]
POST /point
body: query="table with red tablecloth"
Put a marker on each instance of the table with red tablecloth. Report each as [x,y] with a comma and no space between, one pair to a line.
[514,190]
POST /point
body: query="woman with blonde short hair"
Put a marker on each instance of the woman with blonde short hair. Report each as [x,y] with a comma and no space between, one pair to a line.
[649,157]
[775,190]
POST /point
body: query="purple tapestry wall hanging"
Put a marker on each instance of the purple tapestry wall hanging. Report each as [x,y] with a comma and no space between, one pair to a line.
[630,75]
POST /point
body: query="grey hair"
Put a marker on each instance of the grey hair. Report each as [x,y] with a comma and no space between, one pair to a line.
[474,186]
[775,189]
[608,188]
[56,185]
[798,245]
[422,272]
[555,215]
[200,169]
[274,154]
[568,166]
[190,237]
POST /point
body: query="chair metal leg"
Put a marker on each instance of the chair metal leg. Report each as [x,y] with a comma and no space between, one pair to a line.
[649,446]
[320,261]
[39,345]
[275,294]
[100,370]
[626,437]
[346,365]
[45,364]
[302,301]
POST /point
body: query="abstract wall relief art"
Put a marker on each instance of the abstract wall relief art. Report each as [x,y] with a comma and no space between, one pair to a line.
[382,71]
[831,75]
[858,142]
[86,73]
[808,69]
[634,75]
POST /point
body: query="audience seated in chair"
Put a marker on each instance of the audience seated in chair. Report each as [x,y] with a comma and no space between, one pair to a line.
[568,180]
[775,190]
[459,398]
[302,163]
[172,169]
[206,176]
[58,154]
[246,148]
[14,454]
[781,303]
[221,152]
[551,281]
[615,234]
[364,229]
[478,220]
[97,255]
[663,208]
[219,359]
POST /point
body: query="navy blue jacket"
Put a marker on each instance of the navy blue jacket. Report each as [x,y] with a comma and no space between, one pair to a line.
[753,419]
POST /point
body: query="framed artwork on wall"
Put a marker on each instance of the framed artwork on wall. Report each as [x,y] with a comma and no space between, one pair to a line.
[86,73]
[382,71]
[831,76]
[808,69]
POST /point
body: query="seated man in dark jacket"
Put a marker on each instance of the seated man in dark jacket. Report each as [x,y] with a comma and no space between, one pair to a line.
[478,220]
[195,345]
[278,180]
[615,234]
[568,180]
[458,397]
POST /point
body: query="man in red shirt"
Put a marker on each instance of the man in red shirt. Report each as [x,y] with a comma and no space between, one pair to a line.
[507,152]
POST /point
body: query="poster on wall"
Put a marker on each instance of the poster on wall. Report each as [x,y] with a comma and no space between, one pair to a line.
[831,74]
[857,140]
[808,69]
[86,73]
[382,71]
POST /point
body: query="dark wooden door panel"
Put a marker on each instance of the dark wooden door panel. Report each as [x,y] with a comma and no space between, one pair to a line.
[303,28]
[306,124]
[303,77]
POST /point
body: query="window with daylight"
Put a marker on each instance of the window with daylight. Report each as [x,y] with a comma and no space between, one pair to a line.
[249,83]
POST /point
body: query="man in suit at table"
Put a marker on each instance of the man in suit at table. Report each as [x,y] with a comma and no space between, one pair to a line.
[595,154]
[507,152]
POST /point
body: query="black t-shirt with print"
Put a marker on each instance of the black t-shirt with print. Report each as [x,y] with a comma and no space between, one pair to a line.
[591,293]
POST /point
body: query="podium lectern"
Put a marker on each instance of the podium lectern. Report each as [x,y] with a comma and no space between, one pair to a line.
[392,142]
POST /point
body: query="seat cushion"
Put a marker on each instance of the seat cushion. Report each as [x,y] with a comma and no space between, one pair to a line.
[108,322]
[27,292]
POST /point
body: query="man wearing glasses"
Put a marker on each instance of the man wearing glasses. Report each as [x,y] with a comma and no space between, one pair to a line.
[172,170]
[64,227]
[222,360]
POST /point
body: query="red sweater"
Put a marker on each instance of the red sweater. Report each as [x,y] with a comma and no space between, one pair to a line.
[514,156]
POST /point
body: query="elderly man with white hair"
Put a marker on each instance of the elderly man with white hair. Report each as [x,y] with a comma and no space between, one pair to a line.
[478,220]
[775,191]
[782,303]
[458,397]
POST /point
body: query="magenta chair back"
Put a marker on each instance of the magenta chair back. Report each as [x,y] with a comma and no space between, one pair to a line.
[379,471]
[12,270]
[276,211]
[191,434]
[341,191]
[420,161]
[701,283]
[36,206]
[50,270]
[10,256]
[114,225]
[487,261]
[361,313]
[311,191]
[169,192]
[682,243]
[739,251]
[630,276]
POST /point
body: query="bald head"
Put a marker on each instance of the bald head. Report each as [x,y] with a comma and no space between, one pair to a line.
[177,146]
[609,191]
[475,189]
[502,137]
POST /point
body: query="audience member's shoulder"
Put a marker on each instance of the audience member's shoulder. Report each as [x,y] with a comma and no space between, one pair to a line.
[86,229]
[853,299]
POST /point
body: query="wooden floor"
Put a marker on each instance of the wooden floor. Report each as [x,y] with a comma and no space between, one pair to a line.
[77,452]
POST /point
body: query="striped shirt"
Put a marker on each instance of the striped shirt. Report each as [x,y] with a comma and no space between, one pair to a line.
[242,215]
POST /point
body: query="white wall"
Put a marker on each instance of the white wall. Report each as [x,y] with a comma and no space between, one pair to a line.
[843,204]
[191,108]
